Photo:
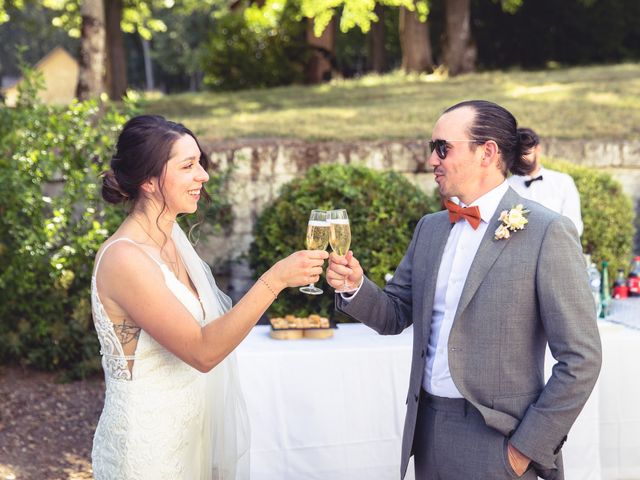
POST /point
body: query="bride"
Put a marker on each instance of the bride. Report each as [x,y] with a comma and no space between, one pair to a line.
[173,404]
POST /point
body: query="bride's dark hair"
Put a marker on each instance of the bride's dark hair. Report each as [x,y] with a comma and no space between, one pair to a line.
[142,152]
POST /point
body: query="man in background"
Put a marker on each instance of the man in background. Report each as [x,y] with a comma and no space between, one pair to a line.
[556,191]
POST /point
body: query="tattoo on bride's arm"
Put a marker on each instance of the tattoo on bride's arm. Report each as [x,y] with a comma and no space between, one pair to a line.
[126,332]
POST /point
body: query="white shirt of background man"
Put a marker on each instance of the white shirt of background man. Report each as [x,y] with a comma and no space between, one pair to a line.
[556,191]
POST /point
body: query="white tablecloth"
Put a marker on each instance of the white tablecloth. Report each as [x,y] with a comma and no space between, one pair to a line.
[619,389]
[334,409]
[325,409]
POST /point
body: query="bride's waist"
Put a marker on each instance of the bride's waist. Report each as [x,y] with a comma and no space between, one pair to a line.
[157,378]
[162,369]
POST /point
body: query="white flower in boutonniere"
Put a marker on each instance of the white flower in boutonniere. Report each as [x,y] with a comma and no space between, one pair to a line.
[512,220]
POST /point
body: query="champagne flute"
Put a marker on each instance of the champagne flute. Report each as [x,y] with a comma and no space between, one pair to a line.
[317,239]
[340,239]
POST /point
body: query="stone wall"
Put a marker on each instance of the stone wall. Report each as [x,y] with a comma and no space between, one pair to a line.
[261,167]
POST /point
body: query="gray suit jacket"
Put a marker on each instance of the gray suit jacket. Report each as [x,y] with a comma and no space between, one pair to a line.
[520,293]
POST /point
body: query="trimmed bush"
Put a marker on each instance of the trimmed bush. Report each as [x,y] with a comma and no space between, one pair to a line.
[607,214]
[383,209]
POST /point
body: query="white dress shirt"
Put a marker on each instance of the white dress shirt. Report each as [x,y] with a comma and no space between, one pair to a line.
[459,252]
[556,191]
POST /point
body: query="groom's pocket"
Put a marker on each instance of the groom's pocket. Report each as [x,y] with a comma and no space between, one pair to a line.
[515,405]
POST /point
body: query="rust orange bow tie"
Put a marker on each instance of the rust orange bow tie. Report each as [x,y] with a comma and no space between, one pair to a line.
[470,214]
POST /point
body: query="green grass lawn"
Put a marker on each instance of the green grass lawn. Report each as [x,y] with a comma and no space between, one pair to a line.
[601,102]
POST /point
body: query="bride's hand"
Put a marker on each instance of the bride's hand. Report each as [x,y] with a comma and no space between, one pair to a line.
[299,268]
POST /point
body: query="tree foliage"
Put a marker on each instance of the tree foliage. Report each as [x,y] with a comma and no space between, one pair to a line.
[4,14]
[255,48]
[509,6]
[354,13]
[137,16]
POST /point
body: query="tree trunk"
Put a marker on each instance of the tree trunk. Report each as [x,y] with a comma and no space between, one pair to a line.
[92,50]
[459,49]
[116,60]
[415,43]
[320,63]
[377,52]
[148,66]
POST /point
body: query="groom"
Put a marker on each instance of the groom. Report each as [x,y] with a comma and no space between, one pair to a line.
[485,292]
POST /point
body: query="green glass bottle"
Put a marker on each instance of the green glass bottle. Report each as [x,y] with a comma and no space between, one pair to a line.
[605,293]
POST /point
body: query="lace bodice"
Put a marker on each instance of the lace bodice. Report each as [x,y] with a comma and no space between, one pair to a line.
[163,419]
[114,361]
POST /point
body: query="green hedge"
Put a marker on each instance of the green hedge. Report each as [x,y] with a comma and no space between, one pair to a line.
[52,222]
[607,214]
[383,209]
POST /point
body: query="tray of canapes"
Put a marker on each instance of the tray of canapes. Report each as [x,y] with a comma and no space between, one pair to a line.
[291,327]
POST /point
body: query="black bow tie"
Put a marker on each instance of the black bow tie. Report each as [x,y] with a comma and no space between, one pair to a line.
[527,183]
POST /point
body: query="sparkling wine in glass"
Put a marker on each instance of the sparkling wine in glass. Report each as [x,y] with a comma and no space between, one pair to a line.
[317,239]
[340,238]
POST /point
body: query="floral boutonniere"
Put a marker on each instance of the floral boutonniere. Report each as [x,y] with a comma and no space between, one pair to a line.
[512,220]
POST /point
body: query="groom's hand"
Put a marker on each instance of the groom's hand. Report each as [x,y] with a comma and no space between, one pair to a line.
[341,268]
[519,462]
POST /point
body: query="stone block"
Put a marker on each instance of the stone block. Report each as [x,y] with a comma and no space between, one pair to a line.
[217,248]
[242,193]
[602,154]
[241,161]
[631,154]
[572,151]
[276,183]
[284,161]
[374,158]
[406,156]
[241,279]
[629,178]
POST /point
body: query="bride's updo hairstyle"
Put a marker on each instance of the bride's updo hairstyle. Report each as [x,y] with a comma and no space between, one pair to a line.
[142,152]
[493,122]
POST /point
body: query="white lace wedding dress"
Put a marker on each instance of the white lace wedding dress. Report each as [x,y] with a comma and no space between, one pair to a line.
[163,419]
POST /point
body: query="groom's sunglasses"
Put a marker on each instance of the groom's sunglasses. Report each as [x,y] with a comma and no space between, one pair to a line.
[442,147]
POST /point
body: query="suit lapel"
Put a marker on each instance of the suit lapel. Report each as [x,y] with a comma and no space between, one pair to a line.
[433,256]
[487,254]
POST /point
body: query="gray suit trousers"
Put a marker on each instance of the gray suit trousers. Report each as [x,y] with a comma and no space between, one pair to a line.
[452,442]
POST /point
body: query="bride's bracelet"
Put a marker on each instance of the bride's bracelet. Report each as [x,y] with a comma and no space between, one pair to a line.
[275,296]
